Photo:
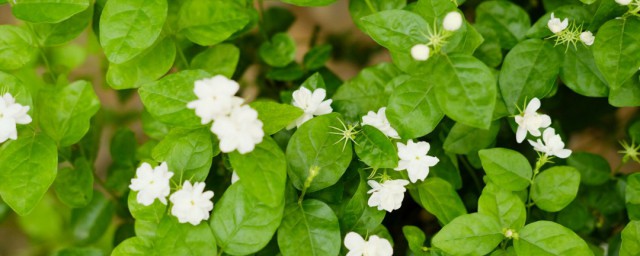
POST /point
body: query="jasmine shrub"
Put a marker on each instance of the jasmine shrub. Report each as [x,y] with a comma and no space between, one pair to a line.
[468,140]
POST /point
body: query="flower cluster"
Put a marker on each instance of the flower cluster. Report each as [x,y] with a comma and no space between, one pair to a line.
[375,246]
[312,103]
[437,39]
[236,125]
[566,34]
[11,114]
[190,203]
[530,121]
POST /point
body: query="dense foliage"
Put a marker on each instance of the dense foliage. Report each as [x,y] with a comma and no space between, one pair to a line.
[469,118]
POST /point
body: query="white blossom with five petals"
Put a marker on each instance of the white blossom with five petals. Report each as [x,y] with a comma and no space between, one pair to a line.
[551,144]
[414,159]
[531,121]
[191,203]
[216,98]
[556,25]
[152,183]
[11,114]
[375,246]
[241,130]
[387,196]
[312,103]
[379,120]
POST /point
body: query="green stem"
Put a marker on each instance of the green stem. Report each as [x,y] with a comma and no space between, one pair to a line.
[541,162]
[42,55]
[373,10]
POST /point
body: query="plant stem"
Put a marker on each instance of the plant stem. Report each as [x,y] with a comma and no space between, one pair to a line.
[373,10]
[542,160]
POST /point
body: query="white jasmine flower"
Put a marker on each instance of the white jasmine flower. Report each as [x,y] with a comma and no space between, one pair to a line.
[215,98]
[376,246]
[420,52]
[387,196]
[11,114]
[152,183]
[240,130]
[191,203]
[587,38]
[313,104]
[379,120]
[623,2]
[556,25]
[234,177]
[530,121]
[453,21]
[551,144]
[414,159]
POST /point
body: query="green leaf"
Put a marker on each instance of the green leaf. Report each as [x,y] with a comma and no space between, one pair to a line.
[277,19]
[123,147]
[616,50]
[188,153]
[577,217]
[549,238]
[173,238]
[154,212]
[17,47]
[220,59]
[263,171]
[362,8]
[74,186]
[166,99]
[416,238]
[579,72]
[356,214]
[275,116]
[50,34]
[439,198]
[470,234]
[594,169]
[365,92]
[134,246]
[309,228]
[554,188]
[313,146]
[632,196]
[28,166]
[465,89]
[396,30]
[291,72]
[628,95]
[317,56]
[529,70]
[508,20]
[241,224]
[309,2]
[630,239]
[89,223]
[489,51]
[413,109]
[73,105]
[278,52]
[13,85]
[433,10]
[211,22]
[80,252]
[150,65]
[47,11]
[506,168]
[463,139]
[504,206]
[375,149]
[128,27]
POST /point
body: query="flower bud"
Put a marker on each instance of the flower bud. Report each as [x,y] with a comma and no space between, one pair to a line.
[453,21]
[587,38]
[420,52]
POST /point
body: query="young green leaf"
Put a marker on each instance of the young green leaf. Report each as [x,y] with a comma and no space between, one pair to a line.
[278,52]
[506,168]
[188,153]
[17,47]
[549,238]
[263,171]
[632,196]
[317,57]
[396,30]
[616,50]
[150,65]
[211,22]
[504,206]
[51,34]
[153,213]
[309,228]
[47,11]
[470,234]
[463,139]
[313,148]
[74,186]
[439,198]
[416,238]
[89,223]
[220,59]
[74,106]
[173,238]
[134,246]
[362,8]
[241,224]
[356,214]
[128,27]
[413,109]
[630,239]
[554,188]
[375,149]
[275,116]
